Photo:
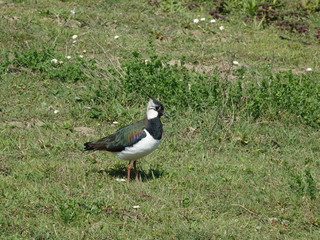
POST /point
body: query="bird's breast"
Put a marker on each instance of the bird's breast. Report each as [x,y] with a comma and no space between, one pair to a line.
[142,148]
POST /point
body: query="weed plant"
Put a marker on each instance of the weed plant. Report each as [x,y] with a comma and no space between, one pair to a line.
[271,96]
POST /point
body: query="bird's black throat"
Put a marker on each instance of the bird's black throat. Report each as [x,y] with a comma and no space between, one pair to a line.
[155,128]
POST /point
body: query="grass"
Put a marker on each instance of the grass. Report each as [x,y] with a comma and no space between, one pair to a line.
[240,154]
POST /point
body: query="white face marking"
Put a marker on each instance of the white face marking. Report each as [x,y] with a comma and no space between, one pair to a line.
[140,149]
[151,112]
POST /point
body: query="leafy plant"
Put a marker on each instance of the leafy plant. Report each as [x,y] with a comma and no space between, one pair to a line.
[4,62]
[33,59]
[53,64]
[176,84]
[71,70]
[250,7]
[311,187]
[68,210]
[310,5]
[181,87]
[171,5]
[304,184]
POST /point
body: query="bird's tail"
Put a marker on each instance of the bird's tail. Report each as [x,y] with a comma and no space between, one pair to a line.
[89,146]
[97,145]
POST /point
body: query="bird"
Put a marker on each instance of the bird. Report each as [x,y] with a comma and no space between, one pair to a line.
[136,140]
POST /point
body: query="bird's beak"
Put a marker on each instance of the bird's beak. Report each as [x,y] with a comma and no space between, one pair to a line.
[166,115]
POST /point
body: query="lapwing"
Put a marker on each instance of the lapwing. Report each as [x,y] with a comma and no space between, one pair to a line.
[134,141]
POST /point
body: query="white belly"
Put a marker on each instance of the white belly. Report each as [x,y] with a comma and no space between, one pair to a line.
[140,149]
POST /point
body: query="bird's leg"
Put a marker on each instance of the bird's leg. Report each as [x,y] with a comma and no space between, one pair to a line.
[135,170]
[128,172]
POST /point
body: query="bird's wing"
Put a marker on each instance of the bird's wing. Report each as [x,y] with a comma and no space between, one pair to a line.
[124,137]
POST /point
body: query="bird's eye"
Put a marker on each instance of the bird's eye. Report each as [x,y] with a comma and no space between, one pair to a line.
[157,108]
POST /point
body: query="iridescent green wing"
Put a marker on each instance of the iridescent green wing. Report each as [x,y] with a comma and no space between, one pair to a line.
[124,137]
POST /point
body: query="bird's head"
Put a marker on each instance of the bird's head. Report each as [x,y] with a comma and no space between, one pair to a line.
[155,109]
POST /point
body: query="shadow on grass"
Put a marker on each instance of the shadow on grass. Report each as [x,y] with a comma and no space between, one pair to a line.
[121,172]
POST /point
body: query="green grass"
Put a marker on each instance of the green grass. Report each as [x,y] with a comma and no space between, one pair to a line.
[239,157]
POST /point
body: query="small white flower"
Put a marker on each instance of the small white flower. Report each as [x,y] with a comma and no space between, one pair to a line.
[196,20]
[60,62]
[146,60]
[136,207]
[309,69]
[56,111]
[221,28]
[235,63]
[74,41]
[202,19]
[120,180]
[115,122]
[116,37]
[68,57]
[84,51]
[80,56]
[54,60]
[74,37]
[213,20]
[73,11]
